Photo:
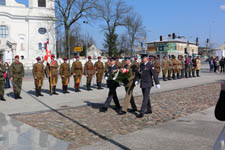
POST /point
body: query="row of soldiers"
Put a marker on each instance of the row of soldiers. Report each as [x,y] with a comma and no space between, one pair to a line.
[173,68]
[90,69]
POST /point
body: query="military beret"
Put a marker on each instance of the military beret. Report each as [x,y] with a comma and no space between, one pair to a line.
[65,59]
[135,58]
[99,57]
[89,57]
[17,56]
[38,58]
[76,56]
[117,57]
[53,56]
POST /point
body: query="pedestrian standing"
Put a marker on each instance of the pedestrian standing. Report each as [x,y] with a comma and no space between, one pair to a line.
[198,66]
[211,64]
[164,68]
[77,70]
[216,64]
[7,81]
[89,71]
[222,63]
[16,77]
[38,75]
[52,70]
[147,72]
[65,75]
[99,69]
[2,80]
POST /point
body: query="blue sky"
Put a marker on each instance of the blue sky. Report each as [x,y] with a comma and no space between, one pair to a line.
[189,18]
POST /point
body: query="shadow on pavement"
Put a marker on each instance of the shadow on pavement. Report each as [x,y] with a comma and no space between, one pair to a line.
[80,124]
[11,94]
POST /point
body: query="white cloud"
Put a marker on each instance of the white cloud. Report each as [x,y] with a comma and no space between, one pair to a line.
[222,7]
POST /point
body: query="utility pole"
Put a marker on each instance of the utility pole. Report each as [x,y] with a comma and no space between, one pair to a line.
[86,43]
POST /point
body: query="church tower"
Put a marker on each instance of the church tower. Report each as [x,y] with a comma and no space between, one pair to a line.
[49,4]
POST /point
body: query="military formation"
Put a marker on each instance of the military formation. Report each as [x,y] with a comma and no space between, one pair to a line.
[171,67]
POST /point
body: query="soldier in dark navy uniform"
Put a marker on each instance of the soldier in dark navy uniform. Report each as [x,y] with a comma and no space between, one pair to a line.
[147,72]
[112,85]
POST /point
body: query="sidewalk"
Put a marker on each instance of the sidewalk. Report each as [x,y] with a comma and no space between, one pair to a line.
[30,103]
[195,132]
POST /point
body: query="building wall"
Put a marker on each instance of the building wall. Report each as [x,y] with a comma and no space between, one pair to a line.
[23,24]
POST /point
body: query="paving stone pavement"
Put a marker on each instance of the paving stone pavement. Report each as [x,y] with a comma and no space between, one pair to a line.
[85,125]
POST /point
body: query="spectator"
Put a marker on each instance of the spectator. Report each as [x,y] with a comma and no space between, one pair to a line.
[222,63]
[217,65]
[211,64]
[7,83]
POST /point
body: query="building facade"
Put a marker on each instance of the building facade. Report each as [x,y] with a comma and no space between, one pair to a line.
[172,47]
[24,31]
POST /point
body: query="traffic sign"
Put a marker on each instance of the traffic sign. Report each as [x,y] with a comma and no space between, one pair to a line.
[78,49]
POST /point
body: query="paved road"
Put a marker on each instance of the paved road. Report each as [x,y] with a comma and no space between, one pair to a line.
[31,104]
[195,132]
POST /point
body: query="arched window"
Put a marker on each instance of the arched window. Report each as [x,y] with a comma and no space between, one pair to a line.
[4,31]
[41,3]
[2,2]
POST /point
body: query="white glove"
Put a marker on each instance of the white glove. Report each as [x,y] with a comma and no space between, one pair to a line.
[106,78]
[136,83]
[158,86]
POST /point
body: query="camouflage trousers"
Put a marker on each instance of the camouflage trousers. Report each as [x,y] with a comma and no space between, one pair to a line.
[2,87]
[17,85]
[99,77]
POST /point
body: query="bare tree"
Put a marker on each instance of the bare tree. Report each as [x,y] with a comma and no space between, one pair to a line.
[135,29]
[69,12]
[113,13]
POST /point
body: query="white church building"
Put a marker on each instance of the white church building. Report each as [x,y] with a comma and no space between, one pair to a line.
[24,31]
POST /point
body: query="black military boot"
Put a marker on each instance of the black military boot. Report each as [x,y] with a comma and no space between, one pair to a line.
[39,92]
[66,89]
[78,89]
[100,85]
[193,74]
[2,98]
[178,76]
[54,90]
[89,87]
[164,78]
[36,90]
[19,97]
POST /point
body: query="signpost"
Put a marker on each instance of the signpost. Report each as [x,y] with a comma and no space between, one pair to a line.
[78,49]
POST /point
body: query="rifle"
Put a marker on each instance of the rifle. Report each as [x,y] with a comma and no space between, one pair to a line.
[48,75]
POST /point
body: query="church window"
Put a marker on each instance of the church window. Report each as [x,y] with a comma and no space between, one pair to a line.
[4,31]
[39,46]
[2,2]
[41,3]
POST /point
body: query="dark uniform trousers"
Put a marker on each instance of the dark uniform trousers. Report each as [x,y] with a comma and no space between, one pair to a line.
[112,95]
[147,72]
[112,85]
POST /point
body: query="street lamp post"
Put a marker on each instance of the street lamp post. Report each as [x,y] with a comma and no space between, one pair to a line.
[86,23]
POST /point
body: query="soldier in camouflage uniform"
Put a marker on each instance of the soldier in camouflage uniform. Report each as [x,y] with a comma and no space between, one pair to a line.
[89,71]
[194,65]
[157,65]
[170,67]
[118,62]
[77,70]
[2,80]
[99,69]
[52,70]
[190,67]
[179,67]
[16,76]
[38,74]
[164,68]
[65,75]
[174,67]
[183,67]
[136,63]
